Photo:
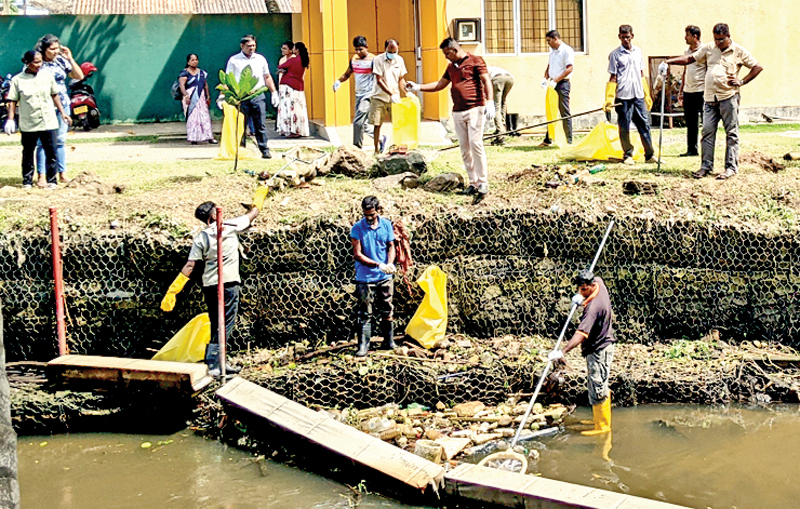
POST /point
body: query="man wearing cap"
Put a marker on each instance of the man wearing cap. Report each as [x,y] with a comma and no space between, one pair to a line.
[595,334]
[204,247]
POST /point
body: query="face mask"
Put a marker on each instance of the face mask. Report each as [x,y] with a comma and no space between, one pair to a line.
[390,56]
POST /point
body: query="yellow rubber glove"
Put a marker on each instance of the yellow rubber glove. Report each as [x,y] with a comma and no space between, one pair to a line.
[611,94]
[168,302]
[648,101]
[259,197]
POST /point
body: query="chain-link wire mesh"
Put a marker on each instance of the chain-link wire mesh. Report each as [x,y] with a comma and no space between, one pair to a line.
[508,272]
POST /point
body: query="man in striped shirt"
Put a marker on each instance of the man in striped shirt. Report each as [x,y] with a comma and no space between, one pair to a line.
[361,67]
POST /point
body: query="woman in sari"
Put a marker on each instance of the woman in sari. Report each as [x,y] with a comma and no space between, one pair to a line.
[196,100]
[292,114]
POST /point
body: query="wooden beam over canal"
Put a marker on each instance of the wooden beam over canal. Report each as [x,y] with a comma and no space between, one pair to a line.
[96,373]
[510,489]
[331,434]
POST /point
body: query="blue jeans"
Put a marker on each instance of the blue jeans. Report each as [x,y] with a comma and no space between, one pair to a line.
[231,298]
[61,151]
[634,110]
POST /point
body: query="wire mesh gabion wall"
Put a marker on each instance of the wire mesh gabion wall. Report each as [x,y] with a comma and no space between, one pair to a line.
[509,272]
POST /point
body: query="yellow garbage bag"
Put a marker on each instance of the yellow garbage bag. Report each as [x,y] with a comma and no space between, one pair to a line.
[429,323]
[602,144]
[227,146]
[189,344]
[556,129]
[406,122]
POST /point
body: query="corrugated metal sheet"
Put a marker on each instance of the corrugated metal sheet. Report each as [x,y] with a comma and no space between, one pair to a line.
[289,6]
[230,7]
[171,6]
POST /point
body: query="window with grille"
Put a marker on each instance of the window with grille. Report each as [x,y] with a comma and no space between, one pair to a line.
[519,26]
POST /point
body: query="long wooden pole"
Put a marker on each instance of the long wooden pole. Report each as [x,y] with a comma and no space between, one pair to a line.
[220,297]
[58,278]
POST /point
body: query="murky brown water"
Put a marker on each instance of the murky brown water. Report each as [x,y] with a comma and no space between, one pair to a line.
[694,456]
[112,471]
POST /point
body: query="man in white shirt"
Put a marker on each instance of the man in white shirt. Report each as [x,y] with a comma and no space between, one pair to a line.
[389,69]
[255,108]
[559,67]
[691,94]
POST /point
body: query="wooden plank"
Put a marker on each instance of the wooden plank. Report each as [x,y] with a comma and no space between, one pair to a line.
[518,490]
[335,436]
[91,372]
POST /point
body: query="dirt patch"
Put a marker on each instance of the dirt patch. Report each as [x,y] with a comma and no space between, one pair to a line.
[762,161]
[90,181]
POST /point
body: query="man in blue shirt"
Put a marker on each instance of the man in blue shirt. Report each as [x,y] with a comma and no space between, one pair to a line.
[373,251]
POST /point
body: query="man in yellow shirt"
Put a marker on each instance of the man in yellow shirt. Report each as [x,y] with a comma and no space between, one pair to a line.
[724,59]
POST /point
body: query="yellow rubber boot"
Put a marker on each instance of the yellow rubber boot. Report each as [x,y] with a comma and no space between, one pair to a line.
[602,418]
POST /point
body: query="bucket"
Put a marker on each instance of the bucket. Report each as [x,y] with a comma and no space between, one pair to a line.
[406,122]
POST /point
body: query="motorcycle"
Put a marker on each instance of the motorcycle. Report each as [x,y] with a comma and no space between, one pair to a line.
[85,113]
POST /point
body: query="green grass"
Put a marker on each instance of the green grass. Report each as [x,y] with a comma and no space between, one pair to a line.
[162,195]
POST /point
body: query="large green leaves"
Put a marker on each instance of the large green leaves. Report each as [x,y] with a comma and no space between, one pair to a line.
[238,91]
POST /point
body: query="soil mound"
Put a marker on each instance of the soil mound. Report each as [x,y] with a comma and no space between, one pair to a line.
[90,181]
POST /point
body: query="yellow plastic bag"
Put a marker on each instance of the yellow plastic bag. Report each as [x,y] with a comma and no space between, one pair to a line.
[406,122]
[602,144]
[556,129]
[227,146]
[189,344]
[429,323]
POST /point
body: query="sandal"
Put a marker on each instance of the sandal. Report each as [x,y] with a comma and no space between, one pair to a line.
[726,174]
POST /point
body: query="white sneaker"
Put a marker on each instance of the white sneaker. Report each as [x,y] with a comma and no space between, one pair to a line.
[27,187]
[52,186]
[629,161]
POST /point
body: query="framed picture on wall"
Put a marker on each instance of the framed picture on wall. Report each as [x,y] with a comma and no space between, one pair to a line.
[468,29]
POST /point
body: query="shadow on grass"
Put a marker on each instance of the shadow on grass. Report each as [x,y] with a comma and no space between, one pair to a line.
[185,179]
[11,181]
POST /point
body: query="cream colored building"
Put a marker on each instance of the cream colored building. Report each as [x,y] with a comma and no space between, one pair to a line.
[511,36]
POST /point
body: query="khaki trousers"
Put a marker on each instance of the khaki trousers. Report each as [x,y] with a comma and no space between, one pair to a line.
[469,131]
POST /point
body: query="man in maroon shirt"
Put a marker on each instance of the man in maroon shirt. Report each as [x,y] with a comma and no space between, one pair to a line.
[595,334]
[472,106]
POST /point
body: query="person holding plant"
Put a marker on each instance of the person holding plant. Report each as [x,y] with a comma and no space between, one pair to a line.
[254,108]
[193,82]
[292,113]
[35,92]
[57,60]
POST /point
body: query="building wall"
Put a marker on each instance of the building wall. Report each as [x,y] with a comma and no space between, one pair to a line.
[139,57]
[766,29]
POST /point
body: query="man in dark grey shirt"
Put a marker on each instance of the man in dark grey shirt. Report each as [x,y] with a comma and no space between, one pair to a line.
[595,334]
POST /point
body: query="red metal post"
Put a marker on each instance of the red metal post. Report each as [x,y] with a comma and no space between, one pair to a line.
[58,277]
[220,297]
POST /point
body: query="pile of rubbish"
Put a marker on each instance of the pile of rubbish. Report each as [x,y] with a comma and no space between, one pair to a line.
[464,433]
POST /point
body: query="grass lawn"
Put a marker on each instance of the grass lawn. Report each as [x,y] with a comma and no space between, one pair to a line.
[163,186]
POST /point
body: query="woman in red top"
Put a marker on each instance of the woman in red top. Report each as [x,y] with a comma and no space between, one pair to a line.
[292,114]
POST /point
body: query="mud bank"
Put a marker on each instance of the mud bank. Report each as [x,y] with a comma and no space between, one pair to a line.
[708,371]
[509,273]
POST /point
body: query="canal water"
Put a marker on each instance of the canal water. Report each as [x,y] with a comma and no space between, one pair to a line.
[727,457]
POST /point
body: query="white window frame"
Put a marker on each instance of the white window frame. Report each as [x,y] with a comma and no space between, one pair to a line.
[551,14]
